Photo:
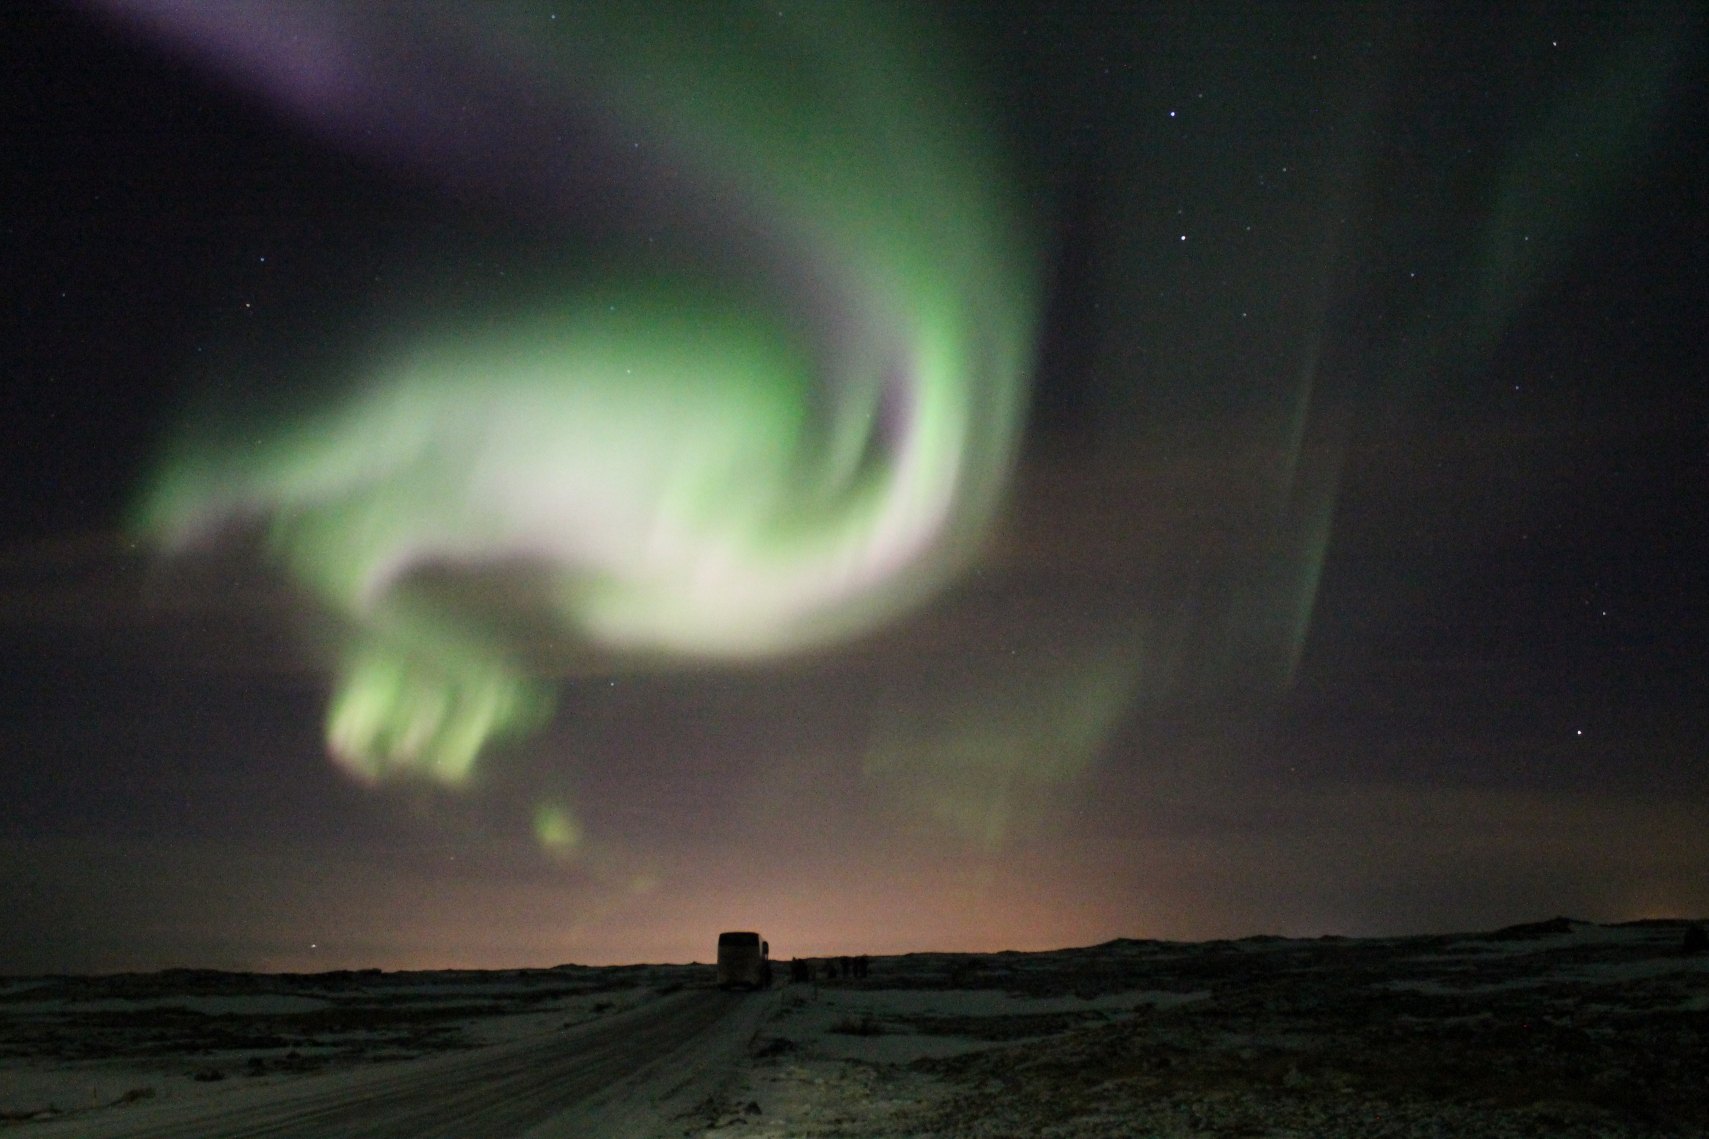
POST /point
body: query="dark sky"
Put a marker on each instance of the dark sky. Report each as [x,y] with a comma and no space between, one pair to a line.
[1351,577]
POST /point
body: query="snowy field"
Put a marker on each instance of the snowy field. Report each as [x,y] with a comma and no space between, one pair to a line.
[84,1048]
[1554,1029]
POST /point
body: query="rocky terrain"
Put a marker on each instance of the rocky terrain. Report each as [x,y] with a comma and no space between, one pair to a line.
[1558,1028]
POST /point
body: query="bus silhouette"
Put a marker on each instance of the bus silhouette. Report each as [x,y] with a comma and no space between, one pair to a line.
[744,961]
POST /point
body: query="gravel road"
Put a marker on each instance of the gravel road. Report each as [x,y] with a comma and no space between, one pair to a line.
[625,1076]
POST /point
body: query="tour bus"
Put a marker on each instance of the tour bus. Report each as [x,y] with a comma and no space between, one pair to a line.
[744,961]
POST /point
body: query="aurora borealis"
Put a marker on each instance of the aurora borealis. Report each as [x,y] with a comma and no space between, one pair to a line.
[706,466]
[542,487]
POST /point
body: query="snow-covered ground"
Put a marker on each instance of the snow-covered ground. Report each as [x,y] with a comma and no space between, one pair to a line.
[1559,1028]
[86,1047]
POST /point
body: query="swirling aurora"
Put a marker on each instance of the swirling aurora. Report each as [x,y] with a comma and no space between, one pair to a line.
[792,428]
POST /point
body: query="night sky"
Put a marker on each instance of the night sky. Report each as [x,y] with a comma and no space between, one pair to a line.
[1348,574]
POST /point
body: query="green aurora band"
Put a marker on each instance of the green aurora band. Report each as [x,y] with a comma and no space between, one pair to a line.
[800,436]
